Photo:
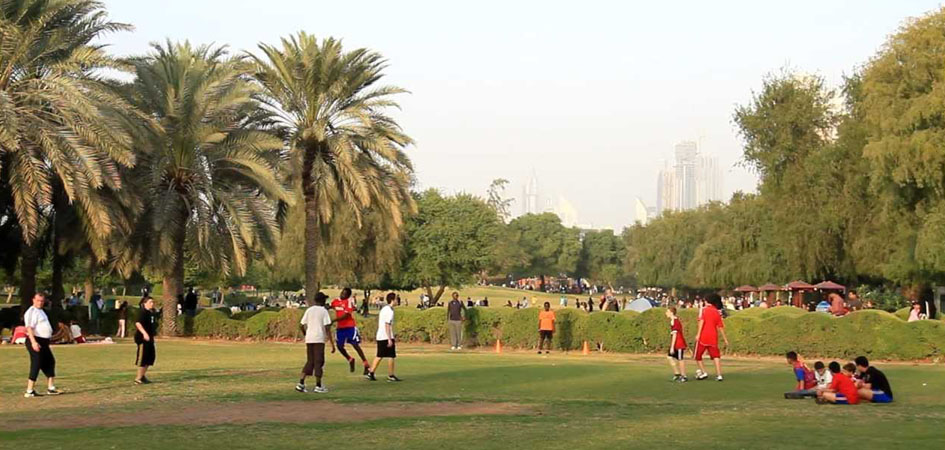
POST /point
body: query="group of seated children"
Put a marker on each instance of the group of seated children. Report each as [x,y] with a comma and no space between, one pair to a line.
[846,385]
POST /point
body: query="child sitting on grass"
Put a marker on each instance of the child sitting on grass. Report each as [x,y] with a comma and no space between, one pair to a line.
[841,391]
[806,382]
[822,375]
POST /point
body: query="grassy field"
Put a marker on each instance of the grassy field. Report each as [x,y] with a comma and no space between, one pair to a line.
[239,395]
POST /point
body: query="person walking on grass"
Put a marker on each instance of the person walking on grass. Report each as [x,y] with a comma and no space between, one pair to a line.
[677,346]
[38,332]
[385,341]
[455,316]
[144,337]
[122,319]
[316,324]
[707,337]
[546,327]
[346,330]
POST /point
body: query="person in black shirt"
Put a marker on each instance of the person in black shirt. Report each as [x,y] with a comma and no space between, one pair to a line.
[144,337]
[190,303]
[873,385]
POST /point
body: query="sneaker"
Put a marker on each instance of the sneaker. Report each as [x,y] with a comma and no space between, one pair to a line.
[370,376]
[145,380]
[52,391]
[139,381]
[351,365]
[393,378]
[718,378]
[547,352]
[539,352]
[452,348]
[319,390]
[366,371]
[701,376]
[459,348]
[31,394]
[300,388]
[676,377]
[683,379]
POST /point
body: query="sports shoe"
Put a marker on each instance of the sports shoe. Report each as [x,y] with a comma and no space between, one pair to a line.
[547,352]
[31,394]
[300,388]
[683,379]
[718,378]
[393,378]
[145,380]
[52,391]
[459,348]
[319,390]
[351,365]
[676,377]
[370,376]
[452,348]
[366,370]
[702,376]
[539,352]
[139,381]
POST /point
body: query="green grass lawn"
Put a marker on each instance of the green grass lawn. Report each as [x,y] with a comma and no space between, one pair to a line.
[558,401]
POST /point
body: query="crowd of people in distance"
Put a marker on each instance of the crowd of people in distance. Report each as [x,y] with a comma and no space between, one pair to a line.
[848,384]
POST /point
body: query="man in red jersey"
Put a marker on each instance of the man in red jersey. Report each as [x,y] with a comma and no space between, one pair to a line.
[347,329]
[707,338]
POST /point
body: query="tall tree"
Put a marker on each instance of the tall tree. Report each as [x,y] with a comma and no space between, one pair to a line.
[497,200]
[550,247]
[346,149]
[447,241]
[208,168]
[61,129]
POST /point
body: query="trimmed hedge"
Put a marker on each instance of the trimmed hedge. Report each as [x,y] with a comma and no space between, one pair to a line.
[876,334]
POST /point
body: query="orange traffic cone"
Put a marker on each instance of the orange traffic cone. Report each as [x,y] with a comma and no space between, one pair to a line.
[498,346]
[585,351]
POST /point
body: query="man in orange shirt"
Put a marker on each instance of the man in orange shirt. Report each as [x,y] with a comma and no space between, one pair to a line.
[546,327]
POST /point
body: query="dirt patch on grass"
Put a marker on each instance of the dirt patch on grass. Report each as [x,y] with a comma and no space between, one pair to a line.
[317,411]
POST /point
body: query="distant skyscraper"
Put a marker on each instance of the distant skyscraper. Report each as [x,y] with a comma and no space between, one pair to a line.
[694,180]
[686,163]
[640,212]
[530,196]
[566,212]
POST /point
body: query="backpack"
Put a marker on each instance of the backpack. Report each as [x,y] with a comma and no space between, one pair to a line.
[810,378]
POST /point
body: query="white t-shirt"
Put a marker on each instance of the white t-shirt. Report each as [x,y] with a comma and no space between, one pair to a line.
[36,319]
[315,320]
[386,316]
[823,381]
[76,331]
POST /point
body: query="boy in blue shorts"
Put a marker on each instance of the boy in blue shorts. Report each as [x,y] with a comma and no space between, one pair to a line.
[346,331]
[872,385]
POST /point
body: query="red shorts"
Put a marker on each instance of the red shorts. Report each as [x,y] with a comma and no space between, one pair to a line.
[713,351]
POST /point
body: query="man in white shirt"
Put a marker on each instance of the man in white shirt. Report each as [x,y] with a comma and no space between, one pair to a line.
[316,324]
[385,341]
[39,331]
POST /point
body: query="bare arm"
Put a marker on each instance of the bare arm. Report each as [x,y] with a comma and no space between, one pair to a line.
[672,339]
[699,331]
[724,337]
[29,332]
[390,333]
[331,338]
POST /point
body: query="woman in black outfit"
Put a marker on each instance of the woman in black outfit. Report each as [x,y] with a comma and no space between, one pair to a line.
[122,318]
[144,337]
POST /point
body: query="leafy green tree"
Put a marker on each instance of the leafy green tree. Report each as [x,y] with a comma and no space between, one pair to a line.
[497,200]
[601,256]
[208,168]
[446,241]
[345,148]
[549,247]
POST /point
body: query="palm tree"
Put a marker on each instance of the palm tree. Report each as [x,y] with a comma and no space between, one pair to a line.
[209,171]
[345,148]
[62,138]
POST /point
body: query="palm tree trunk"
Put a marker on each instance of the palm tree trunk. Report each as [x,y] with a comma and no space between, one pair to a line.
[29,260]
[90,279]
[311,226]
[174,283]
[58,263]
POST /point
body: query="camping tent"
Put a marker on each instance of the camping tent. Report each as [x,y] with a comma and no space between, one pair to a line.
[639,305]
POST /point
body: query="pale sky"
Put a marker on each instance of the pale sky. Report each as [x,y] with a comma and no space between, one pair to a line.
[591,95]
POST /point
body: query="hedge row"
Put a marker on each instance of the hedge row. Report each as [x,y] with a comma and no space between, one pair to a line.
[774,331]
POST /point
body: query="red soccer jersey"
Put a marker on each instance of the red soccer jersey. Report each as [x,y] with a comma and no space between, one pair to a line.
[341,308]
[680,340]
[711,320]
[842,384]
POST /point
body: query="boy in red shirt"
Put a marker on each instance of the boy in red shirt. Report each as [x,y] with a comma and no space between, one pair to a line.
[842,390]
[806,381]
[346,330]
[677,346]
[707,338]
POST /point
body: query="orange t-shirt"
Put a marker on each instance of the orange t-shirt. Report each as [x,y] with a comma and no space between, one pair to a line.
[546,320]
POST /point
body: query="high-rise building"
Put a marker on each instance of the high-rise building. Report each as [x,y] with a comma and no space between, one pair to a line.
[694,180]
[566,212]
[640,212]
[530,196]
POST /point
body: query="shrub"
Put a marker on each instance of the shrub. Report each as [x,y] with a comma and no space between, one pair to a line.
[875,334]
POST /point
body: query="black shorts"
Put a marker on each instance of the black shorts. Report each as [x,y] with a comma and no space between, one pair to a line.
[147,353]
[386,351]
[547,334]
[677,354]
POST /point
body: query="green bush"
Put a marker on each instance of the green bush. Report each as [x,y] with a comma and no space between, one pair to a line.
[875,334]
